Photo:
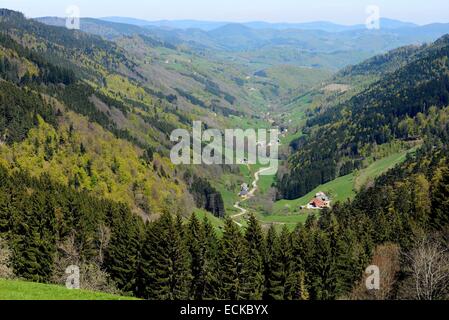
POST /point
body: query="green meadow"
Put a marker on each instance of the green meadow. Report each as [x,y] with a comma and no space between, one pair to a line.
[21,290]
[343,188]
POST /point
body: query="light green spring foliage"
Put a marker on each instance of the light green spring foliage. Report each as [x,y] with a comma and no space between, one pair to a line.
[84,155]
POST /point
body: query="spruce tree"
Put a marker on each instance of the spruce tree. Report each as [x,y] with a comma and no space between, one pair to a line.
[301,258]
[322,268]
[272,267]
[2,65]
[34,241]
[440,197]
[180,277]
[5,211]
[299,288]
[122,253]
[196,245]
[232,263]
[255,260]
[284,257]
[211,267]
[347,262]
[421,200]
[6,199]
[163,267]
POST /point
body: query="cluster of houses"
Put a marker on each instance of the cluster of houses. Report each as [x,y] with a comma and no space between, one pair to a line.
[321,201]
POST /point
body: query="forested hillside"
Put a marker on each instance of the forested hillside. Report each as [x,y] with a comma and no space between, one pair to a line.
[324,259]
[85,177]
[73,106]
[394,109]
[83,157]
[180,71]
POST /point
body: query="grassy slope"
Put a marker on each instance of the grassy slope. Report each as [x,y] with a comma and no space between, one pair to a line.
[343,188]
[229,187]
[339,189]
[21,290]
[288,212]
[292,78]
[217,223]
[265,183]
[379,167]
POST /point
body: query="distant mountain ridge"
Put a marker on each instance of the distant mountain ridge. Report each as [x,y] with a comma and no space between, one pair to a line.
[212,25]
[261,35]
[264,46]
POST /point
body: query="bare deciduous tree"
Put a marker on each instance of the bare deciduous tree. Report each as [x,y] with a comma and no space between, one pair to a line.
[104,236]
[386,257]
[6,271]
[92,277]
[429,268]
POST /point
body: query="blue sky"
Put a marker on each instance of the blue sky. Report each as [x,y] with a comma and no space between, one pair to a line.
[341,11]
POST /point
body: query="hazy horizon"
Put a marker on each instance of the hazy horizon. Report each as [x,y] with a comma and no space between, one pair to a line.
[345,12]
[242,21]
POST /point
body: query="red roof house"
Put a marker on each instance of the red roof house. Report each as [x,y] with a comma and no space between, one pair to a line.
[320,201]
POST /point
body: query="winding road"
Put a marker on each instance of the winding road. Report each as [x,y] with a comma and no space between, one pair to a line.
[250,194]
